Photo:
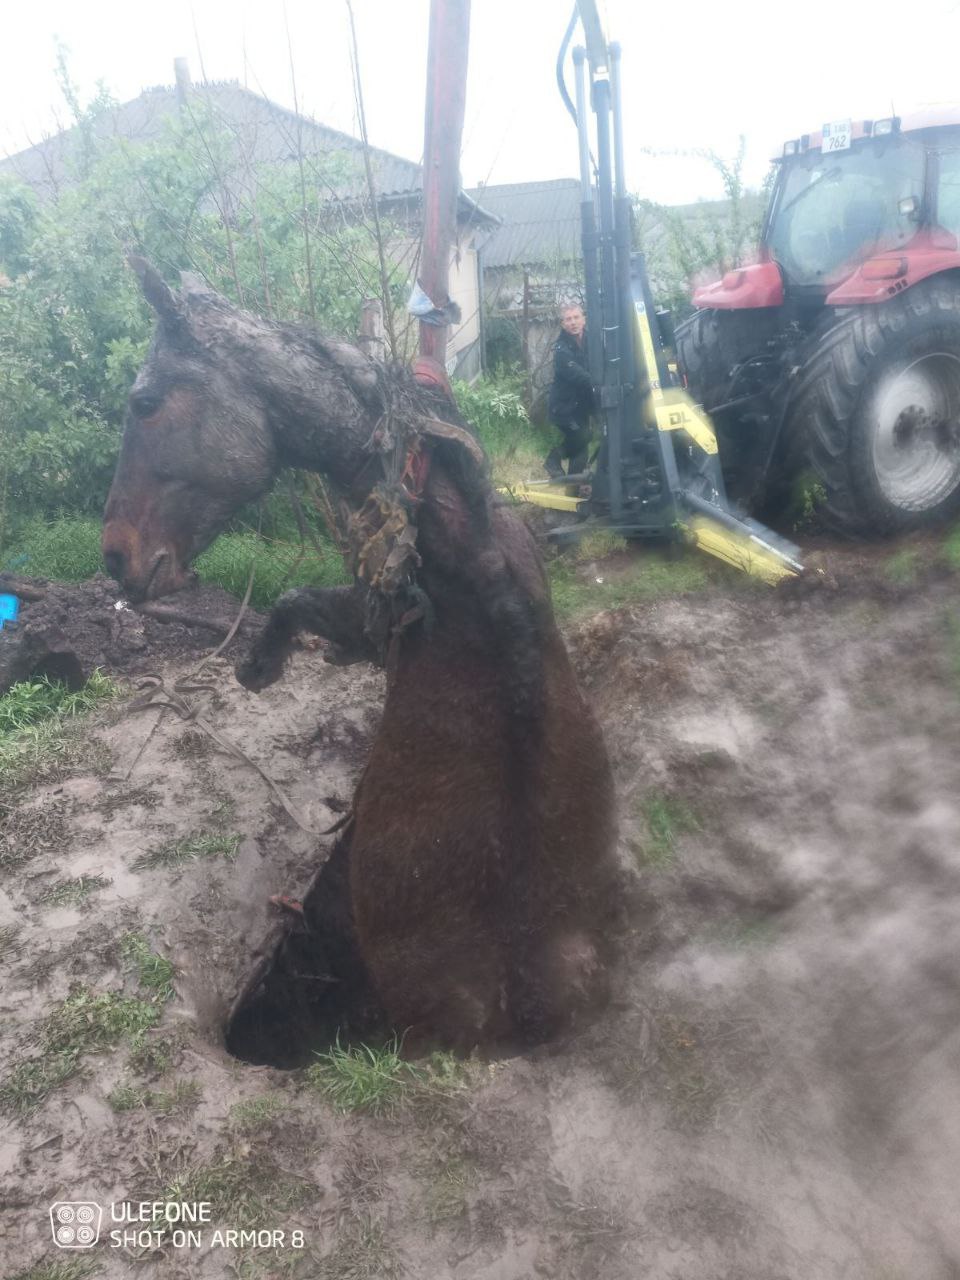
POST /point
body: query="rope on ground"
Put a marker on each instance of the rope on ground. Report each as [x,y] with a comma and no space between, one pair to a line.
[154,693]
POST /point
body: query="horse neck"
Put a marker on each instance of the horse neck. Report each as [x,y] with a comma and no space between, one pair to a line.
[320,397]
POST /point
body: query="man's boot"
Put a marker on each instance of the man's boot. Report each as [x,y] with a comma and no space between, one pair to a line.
[553,465]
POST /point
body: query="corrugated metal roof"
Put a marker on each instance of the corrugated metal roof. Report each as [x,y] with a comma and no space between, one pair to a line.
[541,223]
[266,134]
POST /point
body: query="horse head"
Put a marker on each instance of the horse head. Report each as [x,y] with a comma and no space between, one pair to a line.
[196,446]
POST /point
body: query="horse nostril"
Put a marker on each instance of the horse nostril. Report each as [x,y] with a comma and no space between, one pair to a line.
[116,564]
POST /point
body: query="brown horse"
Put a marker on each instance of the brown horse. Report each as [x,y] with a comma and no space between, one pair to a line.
[480,858]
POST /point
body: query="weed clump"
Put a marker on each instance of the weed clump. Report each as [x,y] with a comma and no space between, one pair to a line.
[73,1269]
[184,1096]
[378,1080]
[248,1192]
[667,817]
[27,832]
[70,893]
[202,844]
[362,1252]
[87,1022]
[254,1114]
[154,972]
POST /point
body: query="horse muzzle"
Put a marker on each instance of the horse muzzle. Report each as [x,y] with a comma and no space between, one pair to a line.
[140,576]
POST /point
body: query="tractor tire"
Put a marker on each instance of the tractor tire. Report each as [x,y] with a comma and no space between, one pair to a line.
[875,412]
[712,348]
[709,345]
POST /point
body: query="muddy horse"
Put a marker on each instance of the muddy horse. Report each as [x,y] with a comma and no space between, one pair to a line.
[480,856]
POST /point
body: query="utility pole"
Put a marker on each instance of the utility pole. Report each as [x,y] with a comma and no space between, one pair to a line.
[446,95]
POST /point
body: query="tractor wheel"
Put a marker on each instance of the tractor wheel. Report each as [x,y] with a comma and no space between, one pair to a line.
[705,356]
[876,412]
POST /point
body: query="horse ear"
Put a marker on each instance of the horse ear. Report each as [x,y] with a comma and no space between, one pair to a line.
[156,290]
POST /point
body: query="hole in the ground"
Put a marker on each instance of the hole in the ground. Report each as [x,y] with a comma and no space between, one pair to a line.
[311,987]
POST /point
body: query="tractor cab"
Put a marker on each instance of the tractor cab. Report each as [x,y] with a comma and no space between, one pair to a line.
[837,353]
[858,212]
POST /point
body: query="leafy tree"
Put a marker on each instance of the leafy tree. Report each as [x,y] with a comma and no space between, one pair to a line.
[687,244]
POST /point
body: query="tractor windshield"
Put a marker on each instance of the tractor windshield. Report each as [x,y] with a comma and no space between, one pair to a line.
[833,211]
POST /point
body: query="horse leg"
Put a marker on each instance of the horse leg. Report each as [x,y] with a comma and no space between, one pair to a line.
[553,979]
[433,991]
[336,613]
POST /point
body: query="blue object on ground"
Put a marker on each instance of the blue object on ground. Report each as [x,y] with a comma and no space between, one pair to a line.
[9,608]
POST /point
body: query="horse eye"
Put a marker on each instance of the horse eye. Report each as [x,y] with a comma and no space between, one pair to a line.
[144,403]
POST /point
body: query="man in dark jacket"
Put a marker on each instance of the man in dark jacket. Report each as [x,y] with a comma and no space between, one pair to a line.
[571,399]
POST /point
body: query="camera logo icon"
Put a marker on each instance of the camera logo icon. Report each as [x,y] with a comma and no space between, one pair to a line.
[75,1223]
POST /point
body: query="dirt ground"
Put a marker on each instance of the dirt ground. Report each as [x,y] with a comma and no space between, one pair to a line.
[774,1093]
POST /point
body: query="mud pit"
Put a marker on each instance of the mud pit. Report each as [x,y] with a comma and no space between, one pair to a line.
[774,1094]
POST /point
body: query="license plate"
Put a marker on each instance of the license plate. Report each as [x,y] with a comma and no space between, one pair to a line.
[837,136]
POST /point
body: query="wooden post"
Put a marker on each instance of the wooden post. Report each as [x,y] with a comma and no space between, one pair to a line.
[446,96]
[371,337]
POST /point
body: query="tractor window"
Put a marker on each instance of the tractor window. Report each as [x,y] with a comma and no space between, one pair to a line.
[948,192]
[834,211]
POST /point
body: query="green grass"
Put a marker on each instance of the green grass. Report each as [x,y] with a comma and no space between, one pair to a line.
[86,1022]
[600,544]
[254,1114]
[902,567]
[202,844]
[951,548]
[153,1056]
[740,933]
[154,972]
[89,1022]
[71,1269]
[651,577]
[183,1097]
[379,1080]
[666,817]
[36,739]
[33,701]
[29,1083]
[362,1252]
[248,1192]
[70,893]
[279,566]
[68,550]
[448,1187]
[47,752]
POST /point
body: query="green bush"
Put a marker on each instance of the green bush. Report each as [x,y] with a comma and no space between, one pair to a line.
[495,408]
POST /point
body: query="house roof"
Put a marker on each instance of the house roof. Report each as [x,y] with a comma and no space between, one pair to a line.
[269,134]
[541,223]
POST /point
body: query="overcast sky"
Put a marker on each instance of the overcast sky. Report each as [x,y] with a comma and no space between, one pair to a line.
[696,75]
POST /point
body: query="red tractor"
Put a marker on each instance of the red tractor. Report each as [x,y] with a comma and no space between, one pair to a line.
[838,352]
